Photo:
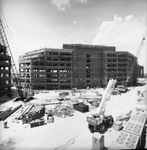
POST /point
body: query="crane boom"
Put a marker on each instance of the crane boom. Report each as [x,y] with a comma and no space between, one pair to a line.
[137,55]
[98,121]
[101,108]
[14,74]
[141,45]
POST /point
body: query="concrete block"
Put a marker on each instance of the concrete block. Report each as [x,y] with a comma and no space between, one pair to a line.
[97,141]
[125,140]
[118,125]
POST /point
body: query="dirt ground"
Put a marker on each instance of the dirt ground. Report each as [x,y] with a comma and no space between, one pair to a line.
[70,132]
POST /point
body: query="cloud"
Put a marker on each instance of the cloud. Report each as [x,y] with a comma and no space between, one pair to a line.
[126,34]
[122,33]
[82,1]
[75,22]
[63,4]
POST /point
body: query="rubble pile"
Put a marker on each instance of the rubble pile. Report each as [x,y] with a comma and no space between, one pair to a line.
[63,110]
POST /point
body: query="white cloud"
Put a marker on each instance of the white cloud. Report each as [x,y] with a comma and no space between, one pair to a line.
[63,4]
[82,1]
[75,22]
[125,34]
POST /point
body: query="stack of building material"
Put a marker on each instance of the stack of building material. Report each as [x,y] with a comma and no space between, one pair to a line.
[24,110]
[63,110]
[2,114]
[37,122]
[125,140]
[8,113]
[136,125]
[36,112]
[145,137]
[81,107]
[133,135]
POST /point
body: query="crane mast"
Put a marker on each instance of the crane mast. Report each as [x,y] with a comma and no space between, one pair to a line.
[14,74]
[137,55]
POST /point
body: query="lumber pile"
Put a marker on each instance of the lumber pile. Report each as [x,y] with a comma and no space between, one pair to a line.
[9,112]
[36,112]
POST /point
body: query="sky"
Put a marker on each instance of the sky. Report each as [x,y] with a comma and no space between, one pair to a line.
[35,24]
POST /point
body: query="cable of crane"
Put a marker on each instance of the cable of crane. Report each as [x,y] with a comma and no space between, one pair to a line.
[6,43]
[8,33]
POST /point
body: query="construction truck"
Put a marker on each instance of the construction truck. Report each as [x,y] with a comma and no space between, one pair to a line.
[23,92]
[98,122]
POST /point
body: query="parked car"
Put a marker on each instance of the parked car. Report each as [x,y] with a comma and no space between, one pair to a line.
[122,88]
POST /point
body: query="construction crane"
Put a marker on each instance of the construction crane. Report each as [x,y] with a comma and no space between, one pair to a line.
[99,122]
[133,64]
[14,75]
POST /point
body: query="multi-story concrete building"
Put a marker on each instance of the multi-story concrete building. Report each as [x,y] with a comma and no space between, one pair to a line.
[120,65]
[76,65]
[5,71]
[47,69]
[88,70]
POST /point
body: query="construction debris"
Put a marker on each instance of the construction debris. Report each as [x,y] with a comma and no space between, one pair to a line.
[63,110]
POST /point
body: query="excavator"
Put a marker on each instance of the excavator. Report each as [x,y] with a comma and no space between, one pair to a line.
[99,122]
[23,92]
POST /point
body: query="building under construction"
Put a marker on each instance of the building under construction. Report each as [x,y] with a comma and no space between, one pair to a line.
[47,69]
[76,65]
[121,64]
[5,71]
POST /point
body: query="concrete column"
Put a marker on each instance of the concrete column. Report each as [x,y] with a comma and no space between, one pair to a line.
[97,141]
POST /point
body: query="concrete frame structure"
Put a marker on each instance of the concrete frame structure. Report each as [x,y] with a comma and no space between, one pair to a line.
[76,66]
[46,69]
[119,65]
[5,71]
